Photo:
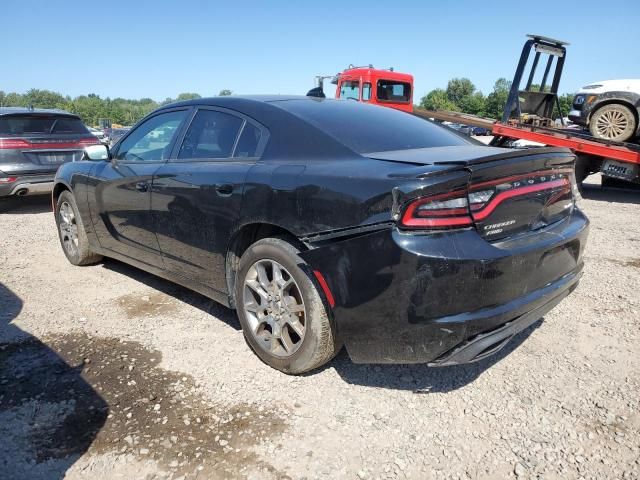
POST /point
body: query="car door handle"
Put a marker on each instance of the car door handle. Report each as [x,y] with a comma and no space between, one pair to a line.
[224,189]
[142,186]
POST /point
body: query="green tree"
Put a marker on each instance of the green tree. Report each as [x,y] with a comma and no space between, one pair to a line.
[225,93]
[474,104]
[496,100]
[187,96]
[458,89]
[566,101]
[438,100]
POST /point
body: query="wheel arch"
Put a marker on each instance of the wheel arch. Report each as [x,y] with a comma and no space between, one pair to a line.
[58,188]
[242,239]
[620,101]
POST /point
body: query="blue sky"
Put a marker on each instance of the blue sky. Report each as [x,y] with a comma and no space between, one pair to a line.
[160,48]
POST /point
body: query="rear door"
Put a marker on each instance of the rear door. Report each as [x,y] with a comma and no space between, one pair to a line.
[124,222]
[197,195]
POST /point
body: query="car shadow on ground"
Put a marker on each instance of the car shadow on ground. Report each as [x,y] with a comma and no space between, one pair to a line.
[420,378]
[26,205]
[169,288]
[49,414]
[611,194]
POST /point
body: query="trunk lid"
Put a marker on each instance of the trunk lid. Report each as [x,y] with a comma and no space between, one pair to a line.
[509,191]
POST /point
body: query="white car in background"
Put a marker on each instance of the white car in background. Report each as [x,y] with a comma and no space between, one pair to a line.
[610,109]
[98,133]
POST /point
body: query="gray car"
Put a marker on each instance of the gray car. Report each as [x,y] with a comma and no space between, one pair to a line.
[33,144]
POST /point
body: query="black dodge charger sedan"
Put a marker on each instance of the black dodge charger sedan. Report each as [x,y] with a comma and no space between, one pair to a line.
[330,222]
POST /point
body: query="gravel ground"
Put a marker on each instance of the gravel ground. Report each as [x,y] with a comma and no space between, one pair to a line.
[107,372]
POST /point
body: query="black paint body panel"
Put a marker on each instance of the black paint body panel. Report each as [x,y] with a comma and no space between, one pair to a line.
[400,296]
[411,298]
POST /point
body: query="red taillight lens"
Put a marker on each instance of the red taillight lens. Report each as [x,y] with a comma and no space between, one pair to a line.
[88,141]
[8,179]
[12,144]
[482,210]
[450,210]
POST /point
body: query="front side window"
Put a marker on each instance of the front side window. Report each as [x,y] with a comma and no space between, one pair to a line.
[392,91]
[350,89]
[212,134]
[151,140]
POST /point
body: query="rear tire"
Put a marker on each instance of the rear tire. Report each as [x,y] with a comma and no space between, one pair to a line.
[71,233]
[614,122]
[281,310]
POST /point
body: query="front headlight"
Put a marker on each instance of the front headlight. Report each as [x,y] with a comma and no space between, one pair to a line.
[578,100]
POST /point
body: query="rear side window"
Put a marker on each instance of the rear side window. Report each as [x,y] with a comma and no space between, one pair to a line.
[40,124]
[391,91]
[366,128]
[248,142]
[212,134]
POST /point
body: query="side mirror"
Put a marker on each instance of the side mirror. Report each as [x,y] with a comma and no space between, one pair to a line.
[96,153]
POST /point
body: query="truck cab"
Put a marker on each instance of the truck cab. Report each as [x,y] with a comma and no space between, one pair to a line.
[377,86]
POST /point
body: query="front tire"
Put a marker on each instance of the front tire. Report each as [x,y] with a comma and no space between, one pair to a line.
[283,316]
[73,237]
[614,122]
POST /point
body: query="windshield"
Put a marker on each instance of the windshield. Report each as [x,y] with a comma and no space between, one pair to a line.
[350,89]
[368,128]
[39,124]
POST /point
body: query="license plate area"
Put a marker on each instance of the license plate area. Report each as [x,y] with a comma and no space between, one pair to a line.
[52,158]
[621,170]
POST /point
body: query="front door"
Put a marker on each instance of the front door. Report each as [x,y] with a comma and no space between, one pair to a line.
[123,188]
[198,194]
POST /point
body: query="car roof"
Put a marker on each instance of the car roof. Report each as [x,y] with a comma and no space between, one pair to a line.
[26,110]
[232,101]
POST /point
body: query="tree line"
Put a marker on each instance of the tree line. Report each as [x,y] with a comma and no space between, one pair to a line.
[461,95]
[91,107]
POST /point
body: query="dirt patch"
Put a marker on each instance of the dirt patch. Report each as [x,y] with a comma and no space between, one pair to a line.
[102,395]
[634,262]
[136,305]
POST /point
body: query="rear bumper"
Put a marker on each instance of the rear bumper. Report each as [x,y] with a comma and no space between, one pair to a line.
[28,185]
[446,298]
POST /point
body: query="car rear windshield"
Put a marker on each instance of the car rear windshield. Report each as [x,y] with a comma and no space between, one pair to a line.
[368,128]
[39,124]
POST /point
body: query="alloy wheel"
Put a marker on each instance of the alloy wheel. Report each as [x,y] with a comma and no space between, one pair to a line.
[68,228]
[274,308]
[611,124]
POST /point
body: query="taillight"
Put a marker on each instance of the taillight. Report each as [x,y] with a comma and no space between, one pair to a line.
[461,208]
[484,202]
[8,179]
[450,210]
[18,144]
[88,141]
[12,144]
